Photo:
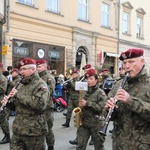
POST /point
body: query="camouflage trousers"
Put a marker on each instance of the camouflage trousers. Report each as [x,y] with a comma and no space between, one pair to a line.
[83,135]
[27,142]
[50,139]
[71,105]
[4,124]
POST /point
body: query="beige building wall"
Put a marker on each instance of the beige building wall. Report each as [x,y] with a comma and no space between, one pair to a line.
[35,24]
[130,40]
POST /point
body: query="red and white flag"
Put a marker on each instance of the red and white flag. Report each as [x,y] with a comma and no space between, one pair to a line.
[102,55]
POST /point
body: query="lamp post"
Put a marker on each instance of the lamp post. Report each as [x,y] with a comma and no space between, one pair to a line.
[118,44]
[2,21]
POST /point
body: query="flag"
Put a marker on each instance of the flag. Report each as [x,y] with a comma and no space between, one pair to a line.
[83,63]
[102,56]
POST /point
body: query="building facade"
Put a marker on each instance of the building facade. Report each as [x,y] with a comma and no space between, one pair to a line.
[60,31]
[134,26]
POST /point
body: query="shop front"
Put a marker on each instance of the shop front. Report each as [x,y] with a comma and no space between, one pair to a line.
[54,54]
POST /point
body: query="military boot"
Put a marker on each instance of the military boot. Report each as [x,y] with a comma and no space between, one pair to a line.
[73,142]
[51,148]
[91,142]
[66,124]
[65,114]
[6,139]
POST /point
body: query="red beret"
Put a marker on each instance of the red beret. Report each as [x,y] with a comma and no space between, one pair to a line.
[26,61]
[90,72]
[40,61]
[14,69]
[131,53]
[87,66]
[105,69]
[75,71]
[1,65]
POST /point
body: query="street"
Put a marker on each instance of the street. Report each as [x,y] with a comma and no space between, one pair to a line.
[63,135]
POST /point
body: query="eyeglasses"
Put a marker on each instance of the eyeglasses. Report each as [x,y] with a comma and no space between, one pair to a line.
[24,69]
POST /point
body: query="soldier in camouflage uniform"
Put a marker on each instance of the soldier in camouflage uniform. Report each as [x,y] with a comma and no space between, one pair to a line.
[73,98]
[29,99]
[4,124]
[92,110]
[105,76]
[49,79]
[85,68]
[132,113]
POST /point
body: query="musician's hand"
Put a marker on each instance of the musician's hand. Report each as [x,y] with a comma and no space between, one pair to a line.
[82,103]
[13,92]
[109,103]
[122,95]
[5,100]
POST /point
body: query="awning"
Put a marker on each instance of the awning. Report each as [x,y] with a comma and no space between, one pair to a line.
[112,54]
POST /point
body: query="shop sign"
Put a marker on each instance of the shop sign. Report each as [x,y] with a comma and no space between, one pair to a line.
[41,53]
[54,55]
[21,51]
[4,50]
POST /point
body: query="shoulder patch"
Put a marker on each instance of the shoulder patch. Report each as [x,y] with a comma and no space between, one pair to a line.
[103,94]
[44,88]
[49,80]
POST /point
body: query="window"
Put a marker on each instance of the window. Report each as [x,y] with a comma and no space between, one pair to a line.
[27,2]
[83,10]
[140,23]
[125,22]
[105,15]
[139,27]
[126,17]
[53,6]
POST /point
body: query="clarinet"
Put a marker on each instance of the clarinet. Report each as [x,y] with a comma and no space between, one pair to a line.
[8,97]
[111,110]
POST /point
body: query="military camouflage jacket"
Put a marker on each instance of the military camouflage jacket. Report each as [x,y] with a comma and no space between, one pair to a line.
[73,94]
[94,108]
[3,86]
[133,118]
[30,101]
[49,79]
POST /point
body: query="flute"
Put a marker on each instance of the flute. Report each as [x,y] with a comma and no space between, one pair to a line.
[9,96]
[111,110]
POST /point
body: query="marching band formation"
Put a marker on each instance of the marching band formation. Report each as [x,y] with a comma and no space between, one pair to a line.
[94,99]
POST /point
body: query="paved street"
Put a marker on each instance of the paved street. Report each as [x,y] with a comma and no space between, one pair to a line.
[63,135]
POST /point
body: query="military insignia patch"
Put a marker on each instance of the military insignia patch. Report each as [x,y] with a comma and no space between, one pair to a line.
[21,63]
[124,56]
[103,94]
[49,80]
[44,88]
[87,75]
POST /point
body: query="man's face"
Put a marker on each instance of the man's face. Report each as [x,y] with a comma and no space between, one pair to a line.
[74,75]
[14,73]
[133,65]
[41,67]
[105,73]
[26,70]
[122,71]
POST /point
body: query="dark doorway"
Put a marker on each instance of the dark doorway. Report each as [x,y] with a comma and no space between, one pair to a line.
[81,50]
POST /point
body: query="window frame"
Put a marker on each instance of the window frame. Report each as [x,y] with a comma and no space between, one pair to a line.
[53,10]
[106,13]
[127,11]
[80,17]
[125,23]
[140,16]
[26,3]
